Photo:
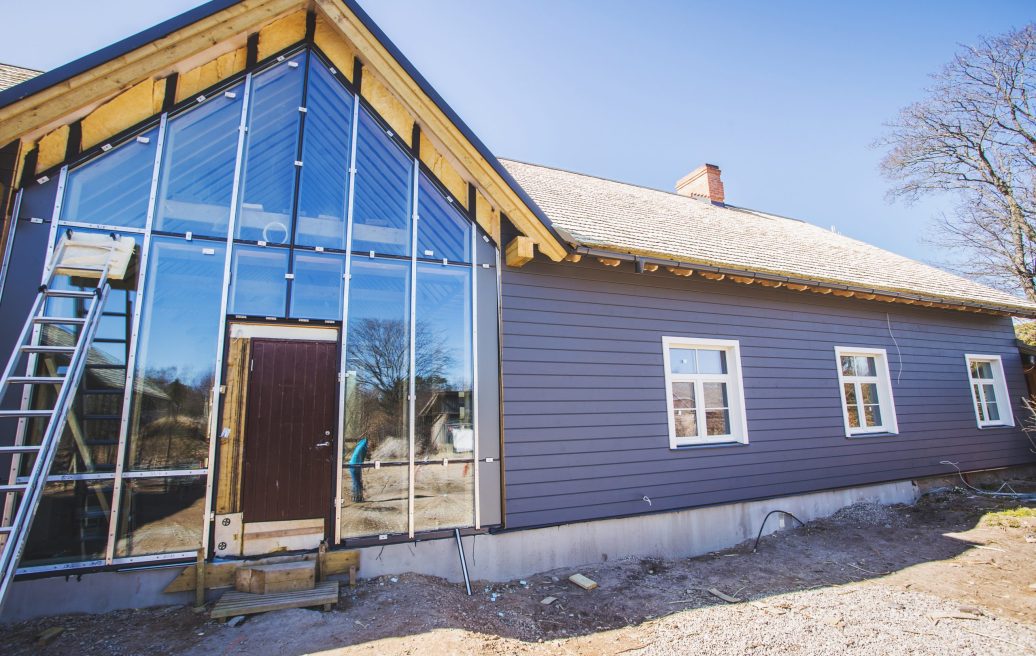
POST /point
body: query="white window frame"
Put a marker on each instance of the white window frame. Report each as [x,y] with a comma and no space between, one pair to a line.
[1003,397]
[886,400]
[735,391]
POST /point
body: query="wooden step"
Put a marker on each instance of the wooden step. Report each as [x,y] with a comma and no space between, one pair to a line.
[279,577]
[246,603]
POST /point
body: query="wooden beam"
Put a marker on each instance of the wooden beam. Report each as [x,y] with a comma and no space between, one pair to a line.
[677,271]
[650,266]
[844,293]
[519,251]
[573,257]
[796,287]
[711,275]
[223,574]
[454,144]
[609,261]
[743,280]
[769,283]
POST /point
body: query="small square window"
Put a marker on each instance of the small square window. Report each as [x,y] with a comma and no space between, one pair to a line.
[989,391]
[866,390]
[704,392]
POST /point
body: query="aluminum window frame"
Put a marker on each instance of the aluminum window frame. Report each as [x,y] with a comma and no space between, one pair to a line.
[886,399]
[734,379]
[1001,394]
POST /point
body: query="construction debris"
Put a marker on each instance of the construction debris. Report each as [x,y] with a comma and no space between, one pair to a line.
[725,597]
[583,582]
[47,636]
[546,601]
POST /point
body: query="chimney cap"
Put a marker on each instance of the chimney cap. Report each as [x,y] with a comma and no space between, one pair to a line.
[703,182]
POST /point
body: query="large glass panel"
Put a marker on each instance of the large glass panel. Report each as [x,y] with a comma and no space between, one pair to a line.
[160,515]
[325,156]
[444,496]
[317,290]
[71,523]
[374,499]
[115,188]
[442,231]
[198,167]
[378,362]
[442,348]
[258,286]
[684,413]
[176,355]
[381,207]
[268,185]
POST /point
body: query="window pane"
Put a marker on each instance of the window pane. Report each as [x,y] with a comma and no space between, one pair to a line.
[442,231]
[325,157]
[717,422]
[258,286]
[979,404]
[683,410]
[683,396]
[317,290]
[872,415]
[176,355]
[869,392]
[715,395]
[115,188]
[712,361]
[198,167]
[849,389]
[444,370]
[865,366]
[981,370]
[682,361]
[444,497]
[848,365]
[374,500]
[160,515]
[992,411]
[854,416]
[381,208]
[378,361]
[268,185]
[71,523]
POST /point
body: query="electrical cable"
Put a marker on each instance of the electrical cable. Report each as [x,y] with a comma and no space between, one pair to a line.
[1011,495]
[758,537]
[899,353]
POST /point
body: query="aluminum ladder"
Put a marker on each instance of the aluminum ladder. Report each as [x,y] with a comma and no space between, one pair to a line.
[20,512]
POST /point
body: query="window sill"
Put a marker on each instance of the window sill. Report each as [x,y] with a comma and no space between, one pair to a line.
[707,445]
[865,436]
[995,426]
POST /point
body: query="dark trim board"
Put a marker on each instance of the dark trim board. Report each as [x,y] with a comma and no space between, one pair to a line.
[586,431]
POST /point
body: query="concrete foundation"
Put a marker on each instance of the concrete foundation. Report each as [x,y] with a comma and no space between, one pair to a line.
[501,557]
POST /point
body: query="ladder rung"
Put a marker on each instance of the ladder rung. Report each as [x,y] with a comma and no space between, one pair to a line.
[24,448]
[68,293]
[36,380]
[70,321]
[15,487]
[72,267]
[25,413]
[35,348]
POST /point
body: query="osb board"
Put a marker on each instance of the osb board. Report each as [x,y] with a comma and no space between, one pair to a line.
[231,448]
[130,107]
[441,167]
[337,49]
[192,82]
[386,105]
[282,33]
[222,575]
[52,149]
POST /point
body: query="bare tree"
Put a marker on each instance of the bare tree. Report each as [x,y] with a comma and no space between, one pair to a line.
[975,135]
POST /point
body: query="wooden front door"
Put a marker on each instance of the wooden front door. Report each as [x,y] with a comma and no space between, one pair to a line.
[289,449]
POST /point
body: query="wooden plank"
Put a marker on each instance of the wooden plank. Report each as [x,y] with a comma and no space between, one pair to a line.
[221,575]
[199,585]
[583,582]
[519,251]
[244,603]
[268,537]
[231,447]
[281,577]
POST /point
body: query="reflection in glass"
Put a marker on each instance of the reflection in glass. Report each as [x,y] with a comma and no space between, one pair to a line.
[271,149]
[443,369]
[374,499]
[684,414]
[198,167]
[176,355]
[115,188]
[317,290]
[378,361]
[444,496]
[442,231]
[71,523]
[160,515]
[258,286]
[325,154]
[381,206]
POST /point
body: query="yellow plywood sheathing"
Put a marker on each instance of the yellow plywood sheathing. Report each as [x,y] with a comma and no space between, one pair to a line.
[487,216]
[282,33]
[443,170]
[196,80]
[52,149]
[386,105]
[335,47]
[130,107]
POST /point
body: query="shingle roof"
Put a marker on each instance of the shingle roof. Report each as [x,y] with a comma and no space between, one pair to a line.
[626,218]
[12,75]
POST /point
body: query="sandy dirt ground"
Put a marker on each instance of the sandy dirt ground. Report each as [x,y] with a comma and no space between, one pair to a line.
[953,574]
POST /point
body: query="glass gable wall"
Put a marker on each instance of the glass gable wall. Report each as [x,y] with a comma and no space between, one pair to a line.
[298,198]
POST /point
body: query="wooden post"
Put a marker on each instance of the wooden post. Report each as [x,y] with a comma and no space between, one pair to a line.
[352,576]
[199,583]
[322,561]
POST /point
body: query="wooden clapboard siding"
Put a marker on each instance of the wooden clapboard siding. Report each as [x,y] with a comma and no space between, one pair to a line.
[585,424]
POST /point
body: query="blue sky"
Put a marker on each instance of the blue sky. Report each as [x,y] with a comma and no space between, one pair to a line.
[786,98]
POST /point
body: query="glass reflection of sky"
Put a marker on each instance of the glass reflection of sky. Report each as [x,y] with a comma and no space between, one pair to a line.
[444,315]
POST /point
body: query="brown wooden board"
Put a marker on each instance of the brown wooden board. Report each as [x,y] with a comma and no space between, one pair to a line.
[245,603]
[221,575]
[282,577]
[289,431]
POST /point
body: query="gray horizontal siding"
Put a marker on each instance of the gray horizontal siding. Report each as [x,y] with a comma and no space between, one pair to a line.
[586,432]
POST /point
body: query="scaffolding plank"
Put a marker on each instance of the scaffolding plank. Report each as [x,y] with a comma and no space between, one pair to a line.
[245,603]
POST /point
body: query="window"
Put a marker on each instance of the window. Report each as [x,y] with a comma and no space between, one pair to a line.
[705,398]
[989,391]
[867,405]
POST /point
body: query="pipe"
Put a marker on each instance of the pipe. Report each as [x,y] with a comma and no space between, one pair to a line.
[463,561]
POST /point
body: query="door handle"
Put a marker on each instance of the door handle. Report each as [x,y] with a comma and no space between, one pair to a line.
[328,443]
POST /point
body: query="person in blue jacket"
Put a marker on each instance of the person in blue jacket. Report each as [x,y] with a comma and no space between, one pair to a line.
[359,454]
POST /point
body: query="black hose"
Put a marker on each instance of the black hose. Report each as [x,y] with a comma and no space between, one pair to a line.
[772,512]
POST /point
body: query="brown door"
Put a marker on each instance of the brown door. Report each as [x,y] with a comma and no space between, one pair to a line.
[289,431]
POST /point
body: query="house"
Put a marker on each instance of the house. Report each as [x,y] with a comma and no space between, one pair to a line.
[346,321]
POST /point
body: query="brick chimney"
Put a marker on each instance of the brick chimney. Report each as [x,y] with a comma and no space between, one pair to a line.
[702,182]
